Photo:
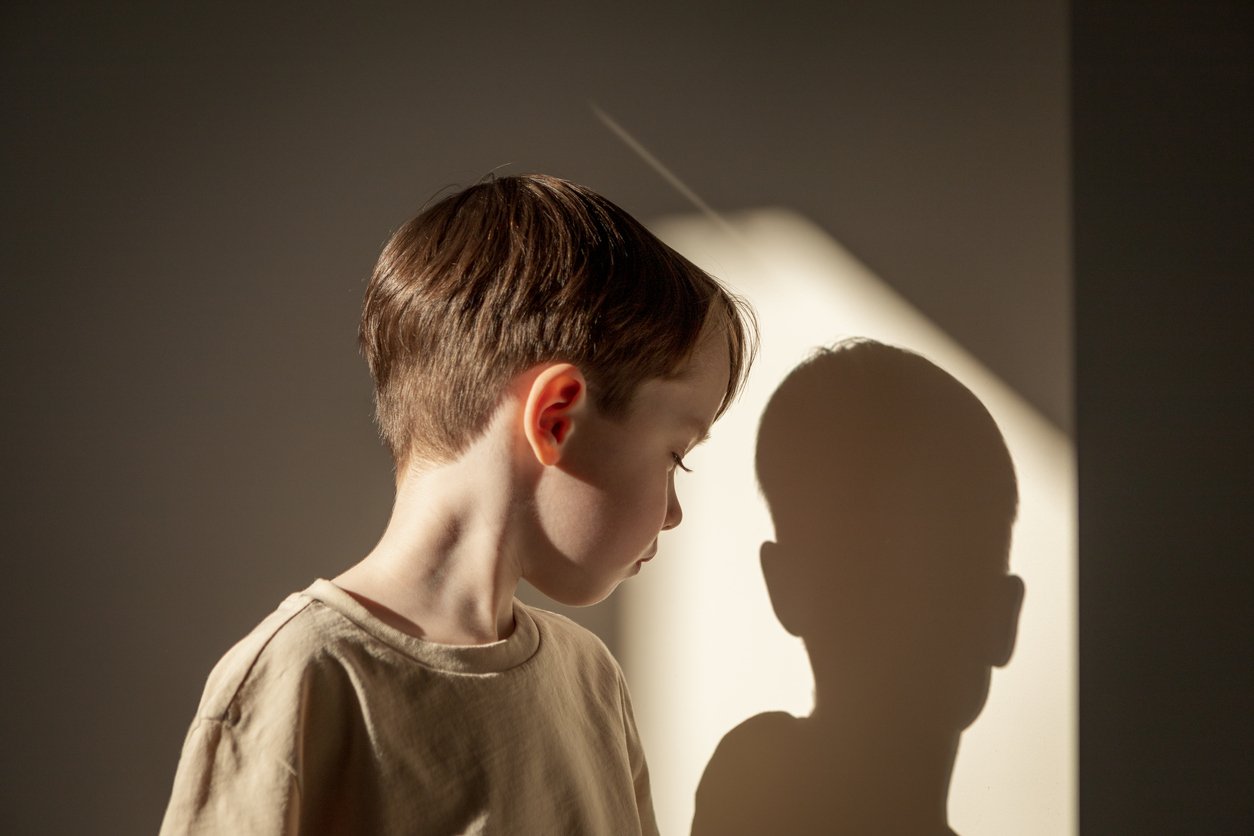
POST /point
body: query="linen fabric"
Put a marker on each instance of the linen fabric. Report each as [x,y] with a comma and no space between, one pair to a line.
[324,719]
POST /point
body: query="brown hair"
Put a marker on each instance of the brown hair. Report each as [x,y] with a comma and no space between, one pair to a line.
[517,271]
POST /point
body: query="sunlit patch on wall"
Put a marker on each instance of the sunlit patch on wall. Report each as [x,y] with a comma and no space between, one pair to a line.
[701,644]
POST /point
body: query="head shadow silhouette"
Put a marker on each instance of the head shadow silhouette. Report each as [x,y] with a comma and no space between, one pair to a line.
[893,496]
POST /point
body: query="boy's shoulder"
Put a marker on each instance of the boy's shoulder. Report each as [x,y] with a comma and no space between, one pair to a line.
[278,651]
[573,657]
[567,636]
[314,635]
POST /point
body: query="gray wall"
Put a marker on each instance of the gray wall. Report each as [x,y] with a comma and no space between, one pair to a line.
[1164,269]
[193,200]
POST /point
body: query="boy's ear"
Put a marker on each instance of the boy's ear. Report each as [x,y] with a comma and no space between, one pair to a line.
[555,403]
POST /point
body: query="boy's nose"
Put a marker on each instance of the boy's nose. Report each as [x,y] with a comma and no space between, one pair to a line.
[674,514]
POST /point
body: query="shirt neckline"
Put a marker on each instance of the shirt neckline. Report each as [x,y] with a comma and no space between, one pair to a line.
[494,657]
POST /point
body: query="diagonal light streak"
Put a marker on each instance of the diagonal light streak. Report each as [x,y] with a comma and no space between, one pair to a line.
[666,174]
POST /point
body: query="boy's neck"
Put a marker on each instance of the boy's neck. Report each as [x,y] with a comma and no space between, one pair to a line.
[448,565]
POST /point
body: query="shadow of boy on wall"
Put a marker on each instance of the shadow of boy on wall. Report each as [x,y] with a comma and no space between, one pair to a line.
[893,496]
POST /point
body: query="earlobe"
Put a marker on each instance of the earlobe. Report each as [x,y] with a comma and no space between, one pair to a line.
[554,405]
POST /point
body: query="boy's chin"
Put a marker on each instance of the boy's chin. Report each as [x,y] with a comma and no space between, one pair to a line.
[578,597]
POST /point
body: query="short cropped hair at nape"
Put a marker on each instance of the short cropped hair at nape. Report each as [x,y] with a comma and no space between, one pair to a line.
[522,270]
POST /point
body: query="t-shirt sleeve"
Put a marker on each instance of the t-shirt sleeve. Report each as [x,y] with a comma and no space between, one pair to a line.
[226,783]
[260,737]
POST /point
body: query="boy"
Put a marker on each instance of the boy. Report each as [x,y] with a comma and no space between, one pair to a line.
[542,364]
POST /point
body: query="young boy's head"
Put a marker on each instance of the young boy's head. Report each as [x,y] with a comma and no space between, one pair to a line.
[518,271]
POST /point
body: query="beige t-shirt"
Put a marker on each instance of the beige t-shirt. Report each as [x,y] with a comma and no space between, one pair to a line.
[326,720]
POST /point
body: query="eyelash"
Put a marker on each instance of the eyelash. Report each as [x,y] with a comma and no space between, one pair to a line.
[679,461]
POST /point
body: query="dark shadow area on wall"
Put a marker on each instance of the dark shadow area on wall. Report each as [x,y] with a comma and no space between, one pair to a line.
[1163,172]
[893,497]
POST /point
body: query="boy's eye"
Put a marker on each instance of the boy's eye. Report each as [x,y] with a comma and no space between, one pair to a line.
[679,461]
